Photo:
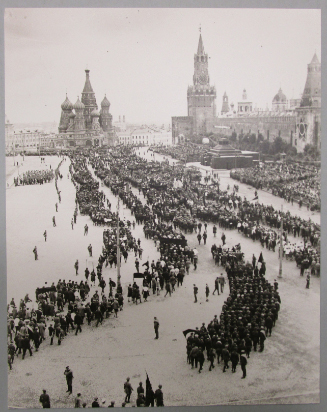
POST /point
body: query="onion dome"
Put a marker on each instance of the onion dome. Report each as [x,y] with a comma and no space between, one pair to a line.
[105,102]
[95,113]
[72,114]
[280,97]
[79,105]
[67,105]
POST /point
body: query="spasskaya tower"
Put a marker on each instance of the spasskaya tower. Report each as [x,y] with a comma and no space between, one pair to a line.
[201,96]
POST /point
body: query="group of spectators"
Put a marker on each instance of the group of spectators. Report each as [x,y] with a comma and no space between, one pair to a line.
[187,152]
[291,181]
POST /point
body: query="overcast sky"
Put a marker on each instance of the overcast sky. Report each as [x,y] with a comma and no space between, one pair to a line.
[143,58]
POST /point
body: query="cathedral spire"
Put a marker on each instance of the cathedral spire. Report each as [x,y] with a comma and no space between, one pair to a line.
[200,46]
[87,85]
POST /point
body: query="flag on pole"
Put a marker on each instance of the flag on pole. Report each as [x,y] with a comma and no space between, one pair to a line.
[185,332]
[149,394]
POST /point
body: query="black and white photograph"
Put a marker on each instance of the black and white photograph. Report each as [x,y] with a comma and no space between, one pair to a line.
[163,206]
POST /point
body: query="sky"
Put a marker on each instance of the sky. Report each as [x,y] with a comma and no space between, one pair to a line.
[142,59]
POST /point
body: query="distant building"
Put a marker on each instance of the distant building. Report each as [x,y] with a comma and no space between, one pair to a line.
[279,103]
[121,125]
[145,135]
[225,106]
[244,106]
[9,133]
[23,140]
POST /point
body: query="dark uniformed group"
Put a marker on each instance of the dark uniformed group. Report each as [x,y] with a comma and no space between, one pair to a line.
[34,177]
[247,318]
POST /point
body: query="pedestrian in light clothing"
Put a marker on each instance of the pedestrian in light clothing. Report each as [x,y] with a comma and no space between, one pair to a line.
[156,328]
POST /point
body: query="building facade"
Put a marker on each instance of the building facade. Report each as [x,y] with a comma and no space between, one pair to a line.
[145,136]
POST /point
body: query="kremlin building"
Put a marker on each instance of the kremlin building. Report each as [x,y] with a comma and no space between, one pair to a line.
[296,121]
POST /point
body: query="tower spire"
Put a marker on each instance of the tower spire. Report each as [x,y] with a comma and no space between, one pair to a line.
[200,46]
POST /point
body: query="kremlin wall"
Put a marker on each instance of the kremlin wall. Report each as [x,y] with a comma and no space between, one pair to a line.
[297,121]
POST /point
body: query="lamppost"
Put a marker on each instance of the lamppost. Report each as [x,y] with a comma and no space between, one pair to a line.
[118,247]
[280,274]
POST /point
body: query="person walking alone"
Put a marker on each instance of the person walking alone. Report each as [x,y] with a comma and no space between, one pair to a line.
[195,292]
[128,390]
[76,266]
[35,253]
[243,362]
[69,379]
[216,286]
[45,235]
[45,399]
[158,396]
[156,328]
[207,292]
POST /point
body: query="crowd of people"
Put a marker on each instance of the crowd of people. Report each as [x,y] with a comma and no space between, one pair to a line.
[182,207]
[290,181]
[246,320]
[34,177]
[248,314]
[187,152]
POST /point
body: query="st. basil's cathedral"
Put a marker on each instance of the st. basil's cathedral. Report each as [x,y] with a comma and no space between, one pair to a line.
[82,124]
